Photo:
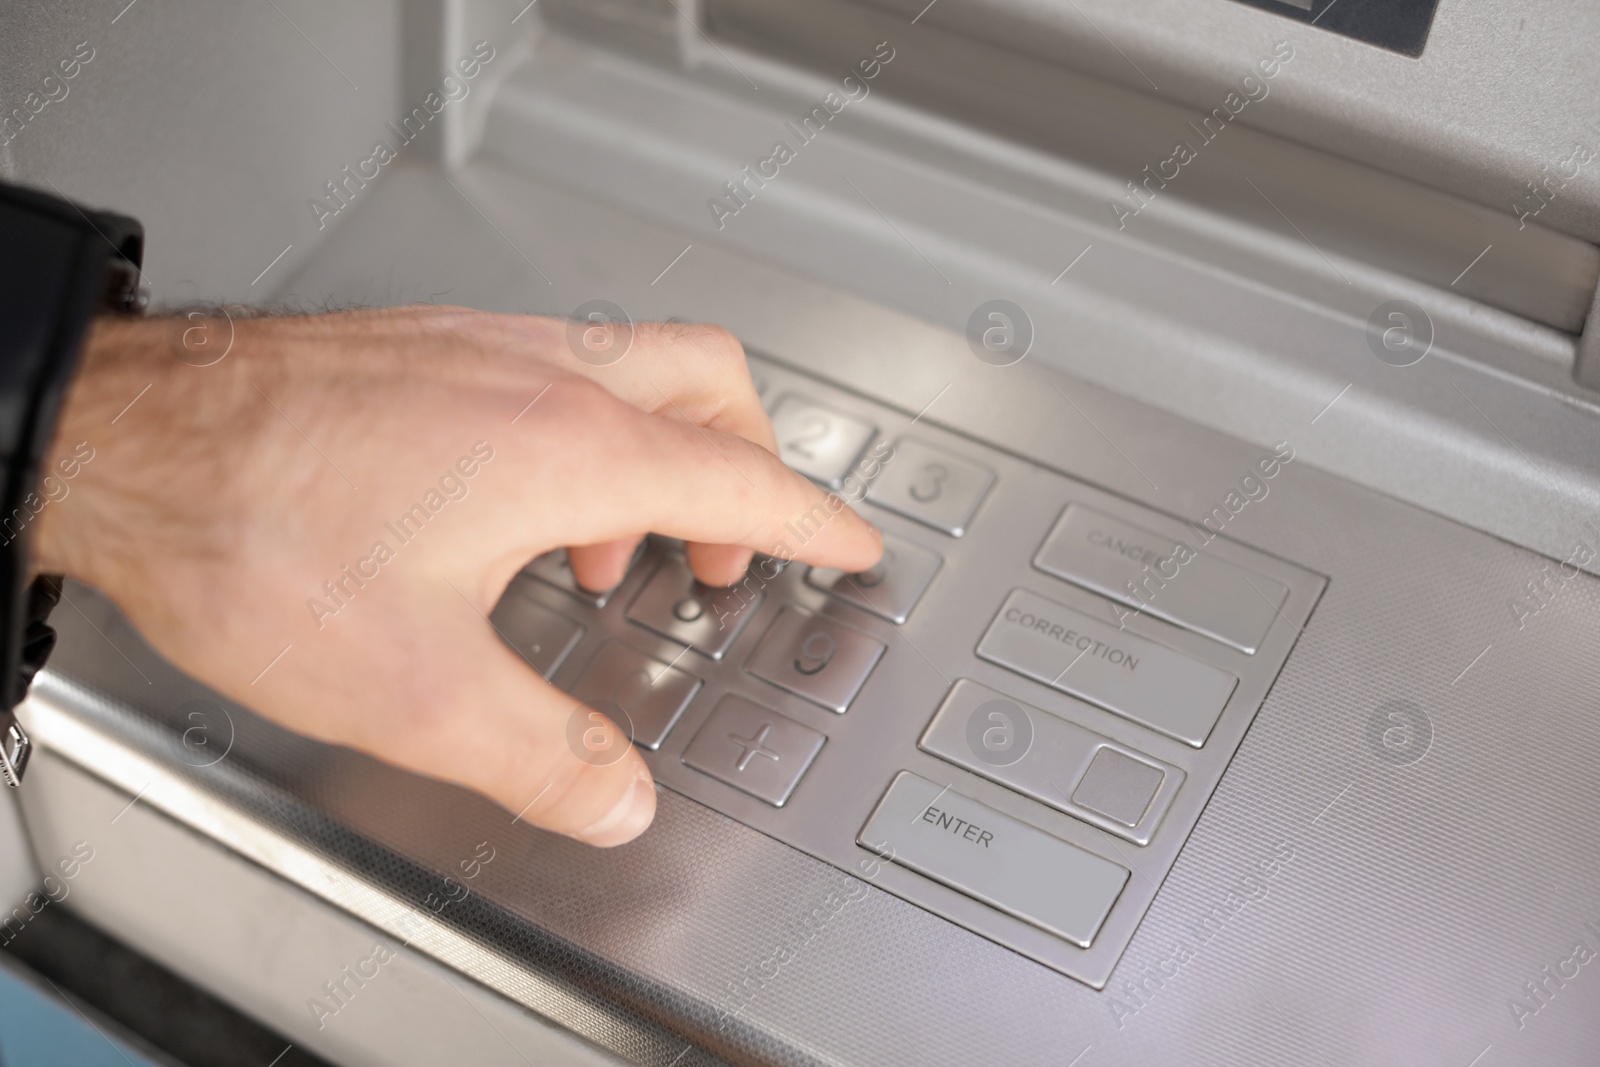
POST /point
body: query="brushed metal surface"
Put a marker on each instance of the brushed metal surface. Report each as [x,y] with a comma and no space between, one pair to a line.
[169,892]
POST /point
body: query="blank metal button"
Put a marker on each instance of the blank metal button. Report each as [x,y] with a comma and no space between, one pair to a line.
[754,749]
[1167,577]
[890,589]
[817,442]
[931,486]
[680,608]
[1052,760]
[1120,671]
[1118,786]
[1001,861]
[652,693]
[555,568]
[539,635]
[824,661]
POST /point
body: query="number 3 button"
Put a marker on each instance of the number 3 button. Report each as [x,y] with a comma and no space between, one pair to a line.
[825,662]
[931,486]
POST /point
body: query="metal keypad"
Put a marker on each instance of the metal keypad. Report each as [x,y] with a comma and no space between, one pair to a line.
[889,589]
[1117,767]
[822,660]
[652,694]
[818,442]
[676,606]
[539,634]
[754,749]
[933,486]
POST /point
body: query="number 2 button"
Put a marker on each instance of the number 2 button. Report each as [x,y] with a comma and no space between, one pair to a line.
[821,444]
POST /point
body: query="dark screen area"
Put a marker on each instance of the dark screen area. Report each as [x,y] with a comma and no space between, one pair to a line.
[1398,25]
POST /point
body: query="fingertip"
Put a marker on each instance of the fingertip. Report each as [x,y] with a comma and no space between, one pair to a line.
[601,568]
[630,817]
[719,565]
[868,549]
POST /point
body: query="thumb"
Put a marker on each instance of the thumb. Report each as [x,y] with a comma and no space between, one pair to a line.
[502,730]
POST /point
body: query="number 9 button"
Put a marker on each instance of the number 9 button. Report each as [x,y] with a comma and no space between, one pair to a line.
[824,661]
[931,486]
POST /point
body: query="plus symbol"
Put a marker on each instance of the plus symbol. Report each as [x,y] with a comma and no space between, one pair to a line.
[750,747]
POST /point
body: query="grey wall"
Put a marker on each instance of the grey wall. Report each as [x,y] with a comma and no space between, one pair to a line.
[211,123]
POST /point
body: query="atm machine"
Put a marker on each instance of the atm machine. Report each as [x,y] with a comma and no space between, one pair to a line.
[1222,375]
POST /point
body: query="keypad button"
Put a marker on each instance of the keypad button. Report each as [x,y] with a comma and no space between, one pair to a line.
[754,749]
[679,608]
[889,589]
[1053,760]
[1173,579]
[1118,786]
[819,443]
[652,693]
[539,635]
[555,568]
[931,486]
[986,854]
[1076,653]
[824,661]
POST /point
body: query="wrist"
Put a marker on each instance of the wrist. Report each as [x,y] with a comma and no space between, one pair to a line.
[62,534]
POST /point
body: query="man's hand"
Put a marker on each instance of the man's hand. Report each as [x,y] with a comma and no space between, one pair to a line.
[218,506]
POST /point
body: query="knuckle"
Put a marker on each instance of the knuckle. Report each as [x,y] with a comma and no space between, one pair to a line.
[704,340]
[718,344]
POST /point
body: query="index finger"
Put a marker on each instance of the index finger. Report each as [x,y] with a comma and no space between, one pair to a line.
[667,476]
[691,371]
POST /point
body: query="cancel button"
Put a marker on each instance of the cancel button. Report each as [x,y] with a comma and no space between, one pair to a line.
[1138,679]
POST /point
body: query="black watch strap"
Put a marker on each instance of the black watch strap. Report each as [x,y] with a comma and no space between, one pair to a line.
[59,265]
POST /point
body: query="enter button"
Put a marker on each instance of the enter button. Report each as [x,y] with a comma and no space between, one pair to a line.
[992,857]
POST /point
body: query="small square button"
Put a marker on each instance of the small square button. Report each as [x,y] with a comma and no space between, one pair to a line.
[753,749]
[652,693]
[889,589]
[1118,787]
[555,568]
[539,635]
[824,661]
[678,607]
[819,443]
[931,486]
